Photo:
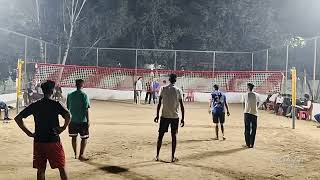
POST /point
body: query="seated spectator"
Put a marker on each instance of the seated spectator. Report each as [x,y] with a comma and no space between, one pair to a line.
[264,105]
[286,104]
[4,106]
[317,117]
[58,94]
[279,101]
[306,105]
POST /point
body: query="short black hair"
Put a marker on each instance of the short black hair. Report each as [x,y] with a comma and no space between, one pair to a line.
[79,82]
[164,81]
[216,87]
[173,78]
[307,96]
[250,86]
[48,87]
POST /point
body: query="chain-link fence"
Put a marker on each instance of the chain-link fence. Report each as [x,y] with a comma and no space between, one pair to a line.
[14,46]
[304,58]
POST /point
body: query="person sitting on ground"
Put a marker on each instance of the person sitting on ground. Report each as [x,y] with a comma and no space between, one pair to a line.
[279,101]
[6,108]
[305,106]
[317,117]
[58,94]
[264,105]
[286,103]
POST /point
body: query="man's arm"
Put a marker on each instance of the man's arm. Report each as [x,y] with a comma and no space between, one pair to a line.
[308,106]
[182,112]
[156,119]
[67,120]
[210,104]
[227,107]
[87,116]
[20,123]
[63,111]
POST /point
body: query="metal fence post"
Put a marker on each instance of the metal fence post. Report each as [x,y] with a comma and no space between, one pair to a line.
[136,64]
[97,60]
[252,65]
[59,58]
[213,63]
[286,73]
[267,60]
[45,52]
[175,61]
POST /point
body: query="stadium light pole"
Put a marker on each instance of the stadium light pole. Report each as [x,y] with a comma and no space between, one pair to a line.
[314,68]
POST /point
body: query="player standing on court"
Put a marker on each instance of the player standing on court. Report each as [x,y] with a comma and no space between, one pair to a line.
[139,89]
[171,98]
[216,107]
[78,104]
[250,100]
[47,145]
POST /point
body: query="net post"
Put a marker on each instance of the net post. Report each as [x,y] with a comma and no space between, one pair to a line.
[287,64]
[25,58]
[97,54]
[19,84]
[267,60]
[294,95]
[314,68]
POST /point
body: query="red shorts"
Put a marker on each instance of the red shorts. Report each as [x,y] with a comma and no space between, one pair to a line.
[53,152]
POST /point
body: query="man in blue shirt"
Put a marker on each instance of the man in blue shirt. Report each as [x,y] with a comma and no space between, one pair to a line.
[155,90]
[217,103]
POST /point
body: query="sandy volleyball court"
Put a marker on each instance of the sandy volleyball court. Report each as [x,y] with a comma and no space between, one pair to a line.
[123,141]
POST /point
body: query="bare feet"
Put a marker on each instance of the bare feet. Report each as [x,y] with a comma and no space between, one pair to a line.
[82,158]
[156,158]
[174,159]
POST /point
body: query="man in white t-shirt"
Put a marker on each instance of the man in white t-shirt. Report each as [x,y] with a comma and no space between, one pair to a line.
[171,98]
[139,90]
[251,102]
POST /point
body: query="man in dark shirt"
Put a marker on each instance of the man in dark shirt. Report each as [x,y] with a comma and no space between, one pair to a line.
[47,145]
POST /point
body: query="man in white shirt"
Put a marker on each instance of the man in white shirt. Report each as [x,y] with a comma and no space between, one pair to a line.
[139,90]
[251,101]
[279,101]
[171,98]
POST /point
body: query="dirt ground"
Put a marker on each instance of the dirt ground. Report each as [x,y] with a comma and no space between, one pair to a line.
[122,145]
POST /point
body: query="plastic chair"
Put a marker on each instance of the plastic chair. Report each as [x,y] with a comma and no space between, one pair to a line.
[305,115]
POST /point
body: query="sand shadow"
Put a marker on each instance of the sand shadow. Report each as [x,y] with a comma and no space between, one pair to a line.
[231,173]
[213,153]
[119,170]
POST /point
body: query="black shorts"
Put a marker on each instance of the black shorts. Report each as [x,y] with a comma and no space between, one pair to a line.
[165,122]
[218,118]
[79,128]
